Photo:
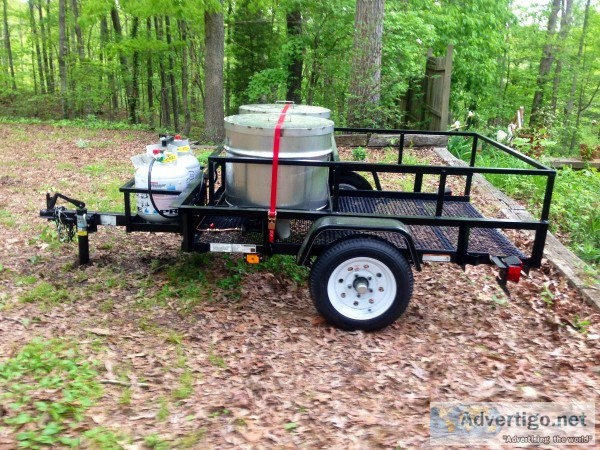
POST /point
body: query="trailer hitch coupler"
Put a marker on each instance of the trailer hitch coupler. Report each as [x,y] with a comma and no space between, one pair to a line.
[82,236]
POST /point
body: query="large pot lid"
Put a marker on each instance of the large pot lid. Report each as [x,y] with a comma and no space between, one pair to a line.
[264,124]
[273,108]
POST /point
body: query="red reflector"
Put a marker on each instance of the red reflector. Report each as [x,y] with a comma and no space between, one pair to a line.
[514,273]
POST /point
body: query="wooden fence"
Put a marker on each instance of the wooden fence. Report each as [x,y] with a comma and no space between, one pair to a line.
[427,102]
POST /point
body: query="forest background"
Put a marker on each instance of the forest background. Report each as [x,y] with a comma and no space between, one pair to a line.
[171,63]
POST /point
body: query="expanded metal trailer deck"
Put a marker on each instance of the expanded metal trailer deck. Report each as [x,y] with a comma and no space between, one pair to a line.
[361,245]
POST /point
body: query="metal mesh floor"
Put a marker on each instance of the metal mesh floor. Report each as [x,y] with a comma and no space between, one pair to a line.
[481,240]
[427,238]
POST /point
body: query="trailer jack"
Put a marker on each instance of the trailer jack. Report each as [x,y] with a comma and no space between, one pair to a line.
[68,222]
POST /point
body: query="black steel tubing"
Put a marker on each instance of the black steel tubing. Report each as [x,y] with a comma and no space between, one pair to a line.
[548,197]
[401,149]
[439,207]
[392,168]
[469,181]
[516,154]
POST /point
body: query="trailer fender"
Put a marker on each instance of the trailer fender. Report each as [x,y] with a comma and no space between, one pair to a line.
[359,224]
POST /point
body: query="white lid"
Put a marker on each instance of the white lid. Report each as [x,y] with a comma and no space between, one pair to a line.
[273,108]
[293,125]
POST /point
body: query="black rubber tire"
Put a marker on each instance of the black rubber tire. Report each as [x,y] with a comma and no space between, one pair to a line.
[353,180]
[357,247]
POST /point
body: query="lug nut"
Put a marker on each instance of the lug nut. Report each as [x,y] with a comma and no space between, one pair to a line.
[343,295]
[355,303]
[366,266]
[380,289]
[371,301]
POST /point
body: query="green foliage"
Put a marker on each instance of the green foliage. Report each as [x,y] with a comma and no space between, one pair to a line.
[163,410]
[575,211]
[290,426]
[186,282]
[103,438]
[6,218]
[202,156]
[266,85]
[89,123]
[253,50]
[185,387]
[47,294]
[154,441]
[359,154]
[48,386]
[581,325]
[286,265]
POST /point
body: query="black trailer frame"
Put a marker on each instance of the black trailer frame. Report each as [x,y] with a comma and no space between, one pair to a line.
[421,226]
[354,210]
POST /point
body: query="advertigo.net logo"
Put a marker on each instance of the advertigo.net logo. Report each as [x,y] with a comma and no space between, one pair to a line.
[512,423]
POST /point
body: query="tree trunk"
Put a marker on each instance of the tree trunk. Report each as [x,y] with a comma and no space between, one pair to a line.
[48,75]
[214,41]
[294,80]
[565,26]
[21,29]
[185,79]
[114,100]
[545,63]
[365,82]
[174,99]
[574,81]
[149,75]
[127,79]
[78,35]
[313,75]
[33,70]
[7,47]
[164,95]
[62,54]
[227,81]
[135,92]
[196,62]
[50,53]
[36,43]
[579,66]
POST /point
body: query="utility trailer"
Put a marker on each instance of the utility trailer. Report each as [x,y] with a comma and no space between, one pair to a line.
[361,245]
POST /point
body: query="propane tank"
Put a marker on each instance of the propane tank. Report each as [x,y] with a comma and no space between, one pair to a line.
[165,174]
[185,157]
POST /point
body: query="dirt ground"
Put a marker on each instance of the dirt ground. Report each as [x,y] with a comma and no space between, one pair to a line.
[262,368]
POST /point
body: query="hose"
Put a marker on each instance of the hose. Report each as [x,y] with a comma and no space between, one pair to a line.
[150,193]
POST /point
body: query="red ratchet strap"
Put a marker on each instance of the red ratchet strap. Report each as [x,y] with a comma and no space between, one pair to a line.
[276,143]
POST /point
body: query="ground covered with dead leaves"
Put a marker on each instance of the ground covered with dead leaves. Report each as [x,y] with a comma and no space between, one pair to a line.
[203,351]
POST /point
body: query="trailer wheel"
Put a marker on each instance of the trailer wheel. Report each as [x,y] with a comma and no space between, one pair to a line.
[353,180]
[361,284]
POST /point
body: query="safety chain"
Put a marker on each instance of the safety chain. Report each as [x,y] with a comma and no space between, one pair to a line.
[66,228]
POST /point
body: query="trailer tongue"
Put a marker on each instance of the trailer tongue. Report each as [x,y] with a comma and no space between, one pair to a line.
[360,245]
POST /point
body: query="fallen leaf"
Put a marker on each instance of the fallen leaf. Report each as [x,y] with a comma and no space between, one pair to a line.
[98,331]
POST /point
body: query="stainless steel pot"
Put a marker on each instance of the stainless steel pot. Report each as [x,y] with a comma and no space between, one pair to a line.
[304,138]
[275,108]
